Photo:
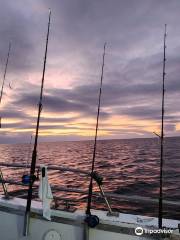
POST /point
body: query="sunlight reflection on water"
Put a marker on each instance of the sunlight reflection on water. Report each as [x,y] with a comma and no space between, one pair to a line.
[128,167]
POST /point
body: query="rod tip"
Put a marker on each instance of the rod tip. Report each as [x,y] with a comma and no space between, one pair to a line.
[10,43]
[105,45]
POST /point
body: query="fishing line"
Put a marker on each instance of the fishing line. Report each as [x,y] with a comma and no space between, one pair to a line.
[4,77]
[26,176]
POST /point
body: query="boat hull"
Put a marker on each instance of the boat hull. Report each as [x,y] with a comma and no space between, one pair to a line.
[70,226]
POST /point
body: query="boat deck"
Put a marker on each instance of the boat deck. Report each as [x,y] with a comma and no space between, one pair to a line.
[71,226]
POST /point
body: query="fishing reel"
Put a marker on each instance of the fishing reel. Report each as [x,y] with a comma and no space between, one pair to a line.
[92,221]
[26,178]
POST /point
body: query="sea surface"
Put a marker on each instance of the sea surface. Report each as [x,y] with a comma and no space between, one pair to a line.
[129,167]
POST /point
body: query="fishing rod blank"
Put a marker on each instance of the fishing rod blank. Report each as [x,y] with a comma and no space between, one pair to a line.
[4,76]
[34,154]
[162,140]
[88,210]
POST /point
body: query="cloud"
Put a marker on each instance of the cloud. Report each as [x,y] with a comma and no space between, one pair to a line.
[11,113]
[62,103]
[133,65]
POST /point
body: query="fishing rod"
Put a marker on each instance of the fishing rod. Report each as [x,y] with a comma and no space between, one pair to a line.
[34,154]
[4,76]
[88,210]
[162,139]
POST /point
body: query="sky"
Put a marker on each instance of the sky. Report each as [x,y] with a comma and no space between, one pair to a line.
[131,94]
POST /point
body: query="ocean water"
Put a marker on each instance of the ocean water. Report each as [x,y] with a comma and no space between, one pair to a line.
[129,167]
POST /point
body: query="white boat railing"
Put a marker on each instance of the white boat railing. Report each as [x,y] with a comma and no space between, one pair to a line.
[50,167]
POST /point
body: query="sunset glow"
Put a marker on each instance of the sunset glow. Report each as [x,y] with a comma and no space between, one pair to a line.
[131,94]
